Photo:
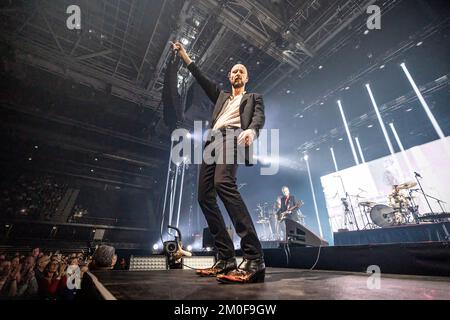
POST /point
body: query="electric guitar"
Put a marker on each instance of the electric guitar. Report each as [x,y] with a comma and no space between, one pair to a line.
[285,214]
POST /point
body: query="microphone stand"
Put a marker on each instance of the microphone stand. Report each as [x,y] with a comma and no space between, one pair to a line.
[423,192]
[347,196]
[439,201]
[353,210]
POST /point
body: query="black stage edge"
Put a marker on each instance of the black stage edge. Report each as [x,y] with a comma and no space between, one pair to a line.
[397,234]
[428,259]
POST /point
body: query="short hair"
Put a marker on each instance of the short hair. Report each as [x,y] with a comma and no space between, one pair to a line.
[103,256]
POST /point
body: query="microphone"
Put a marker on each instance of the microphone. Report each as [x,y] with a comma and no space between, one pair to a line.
[418,175]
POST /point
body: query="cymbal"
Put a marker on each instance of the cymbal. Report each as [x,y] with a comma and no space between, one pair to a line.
[367,204]
[407,185]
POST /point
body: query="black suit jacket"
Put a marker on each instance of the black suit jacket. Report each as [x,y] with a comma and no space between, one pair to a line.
[251,108]
[290,203]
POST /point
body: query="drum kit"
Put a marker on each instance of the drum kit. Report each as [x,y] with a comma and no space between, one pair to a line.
[270,219]
[401,208]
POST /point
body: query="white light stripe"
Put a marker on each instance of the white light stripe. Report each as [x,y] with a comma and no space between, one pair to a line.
[334,159]
[380,120]
[350,140]
[360,150]
[314,197]
[424,103]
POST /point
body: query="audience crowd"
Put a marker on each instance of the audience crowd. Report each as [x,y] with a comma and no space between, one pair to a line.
[35,197]
[51,275]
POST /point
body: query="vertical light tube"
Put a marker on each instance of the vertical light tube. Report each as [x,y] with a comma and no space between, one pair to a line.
[314,195]
[397,138]
[181,192]
[360,150]
[380,120]
[425,106]
[400,145]
[334,159]
[350,140]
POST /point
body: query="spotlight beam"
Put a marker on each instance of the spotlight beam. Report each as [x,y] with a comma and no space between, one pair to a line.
[347,130]
[425,106]
[380,120]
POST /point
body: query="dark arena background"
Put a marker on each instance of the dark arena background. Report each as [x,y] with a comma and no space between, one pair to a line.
[93,204]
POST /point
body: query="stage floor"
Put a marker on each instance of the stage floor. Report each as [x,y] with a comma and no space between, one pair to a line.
[281,284]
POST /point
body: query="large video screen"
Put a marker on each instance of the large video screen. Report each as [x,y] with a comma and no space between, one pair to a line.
[368,190]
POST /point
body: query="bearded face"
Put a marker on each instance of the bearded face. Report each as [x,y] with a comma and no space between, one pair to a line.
[238,76]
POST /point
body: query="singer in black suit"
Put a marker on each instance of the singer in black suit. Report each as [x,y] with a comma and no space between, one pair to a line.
[241,111]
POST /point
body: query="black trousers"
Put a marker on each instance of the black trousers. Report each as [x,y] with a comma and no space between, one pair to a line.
[220,179]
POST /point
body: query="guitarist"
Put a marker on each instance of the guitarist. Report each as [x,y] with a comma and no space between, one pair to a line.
[288,206]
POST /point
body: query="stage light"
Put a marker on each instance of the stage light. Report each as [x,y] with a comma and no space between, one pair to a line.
[320,67]
[155,246]
[370,126]
[360,150]
[184,41]
[380,120]
[382,66]
[305,157]
[189,248]
[366,32]
[419,44]
[188,135]
[350,140]
[409,110]
[92,170]
[341,139]
[208,249]
[96,159]
[29,159]
[36,147]
[425,106]
[334,159]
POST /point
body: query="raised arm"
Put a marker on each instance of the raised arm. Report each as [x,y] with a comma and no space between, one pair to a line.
[211,89]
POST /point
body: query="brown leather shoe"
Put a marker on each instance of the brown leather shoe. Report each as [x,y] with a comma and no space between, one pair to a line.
[220,267]
[249,271]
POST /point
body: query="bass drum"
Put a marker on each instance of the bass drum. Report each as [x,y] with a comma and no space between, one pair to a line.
[383,216]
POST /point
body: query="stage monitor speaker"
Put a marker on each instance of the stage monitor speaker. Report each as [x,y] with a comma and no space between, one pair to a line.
[298,234]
